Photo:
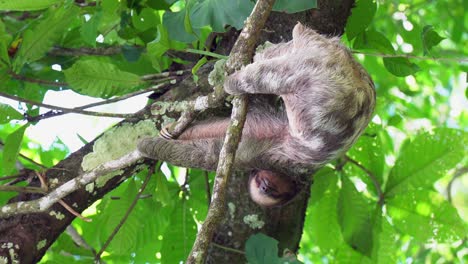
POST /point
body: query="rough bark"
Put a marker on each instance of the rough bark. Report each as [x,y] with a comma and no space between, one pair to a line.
[285,224]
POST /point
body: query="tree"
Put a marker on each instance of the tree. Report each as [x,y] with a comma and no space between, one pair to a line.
[376,204]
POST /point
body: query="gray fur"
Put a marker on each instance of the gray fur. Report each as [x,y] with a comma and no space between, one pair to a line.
[328,99]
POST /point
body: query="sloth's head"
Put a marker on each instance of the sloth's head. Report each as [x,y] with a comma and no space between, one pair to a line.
[268,188]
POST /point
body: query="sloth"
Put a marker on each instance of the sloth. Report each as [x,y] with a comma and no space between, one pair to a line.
[327,102]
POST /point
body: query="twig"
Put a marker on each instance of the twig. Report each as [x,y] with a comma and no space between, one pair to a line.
[45,187]
[208,188]
[109,101]
[32,161]
[44,203]
[154,76]
[127,213]
[459,172]
[228,248]
[371,176]
[409,56]
[64,109]
[38,81]
[107,51]
[240,55]
[78,239]
[21,189]
[10,177]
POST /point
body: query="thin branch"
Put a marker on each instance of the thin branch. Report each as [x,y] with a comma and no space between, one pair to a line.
[64,109]
[21,189]
[155,76]
[127,213]
[44,203]
[32,161]
[109,101]
[45,187]
[85,51]
[78,239]
[371,176]
[10,177]
[228,248]
[459,172]
[409,56]
[207,188]
[240,55]
[38,81]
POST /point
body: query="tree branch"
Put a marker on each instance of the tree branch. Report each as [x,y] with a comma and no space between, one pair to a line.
[44,203]
[410,56]
[240,55]
[64,109]
[109,101]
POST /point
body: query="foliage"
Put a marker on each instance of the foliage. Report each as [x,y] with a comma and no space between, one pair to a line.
[385,203]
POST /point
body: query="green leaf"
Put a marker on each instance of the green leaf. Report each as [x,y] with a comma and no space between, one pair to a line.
[346,254]
[43,35]
[89,30]
[179,236]
[426,215]
[100,79]
[161,192]
[322,224]
[294,6]
[400,67]
[354,217]
[174,22]
[8,113]
[373,40]
[361,17]
[145,20]
[384,249]
[125,240]
[368,151]
[261,249]
[426,159]
[132,53]
[220,13]
[11,149]
[430,38]
[5,40]
[26,5]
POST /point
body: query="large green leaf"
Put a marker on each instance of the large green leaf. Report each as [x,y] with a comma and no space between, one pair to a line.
[100,79]
[323,228]
[426,159]
[220,13]
[175,24]
[89,30]
[361,17]
[11,149]
[43,35]
[179,236]
[384,250]
[426,215]
[261,249]
[8,113]
[354,216]
[368,151]
[346,254]
[5,39]
[26,5]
